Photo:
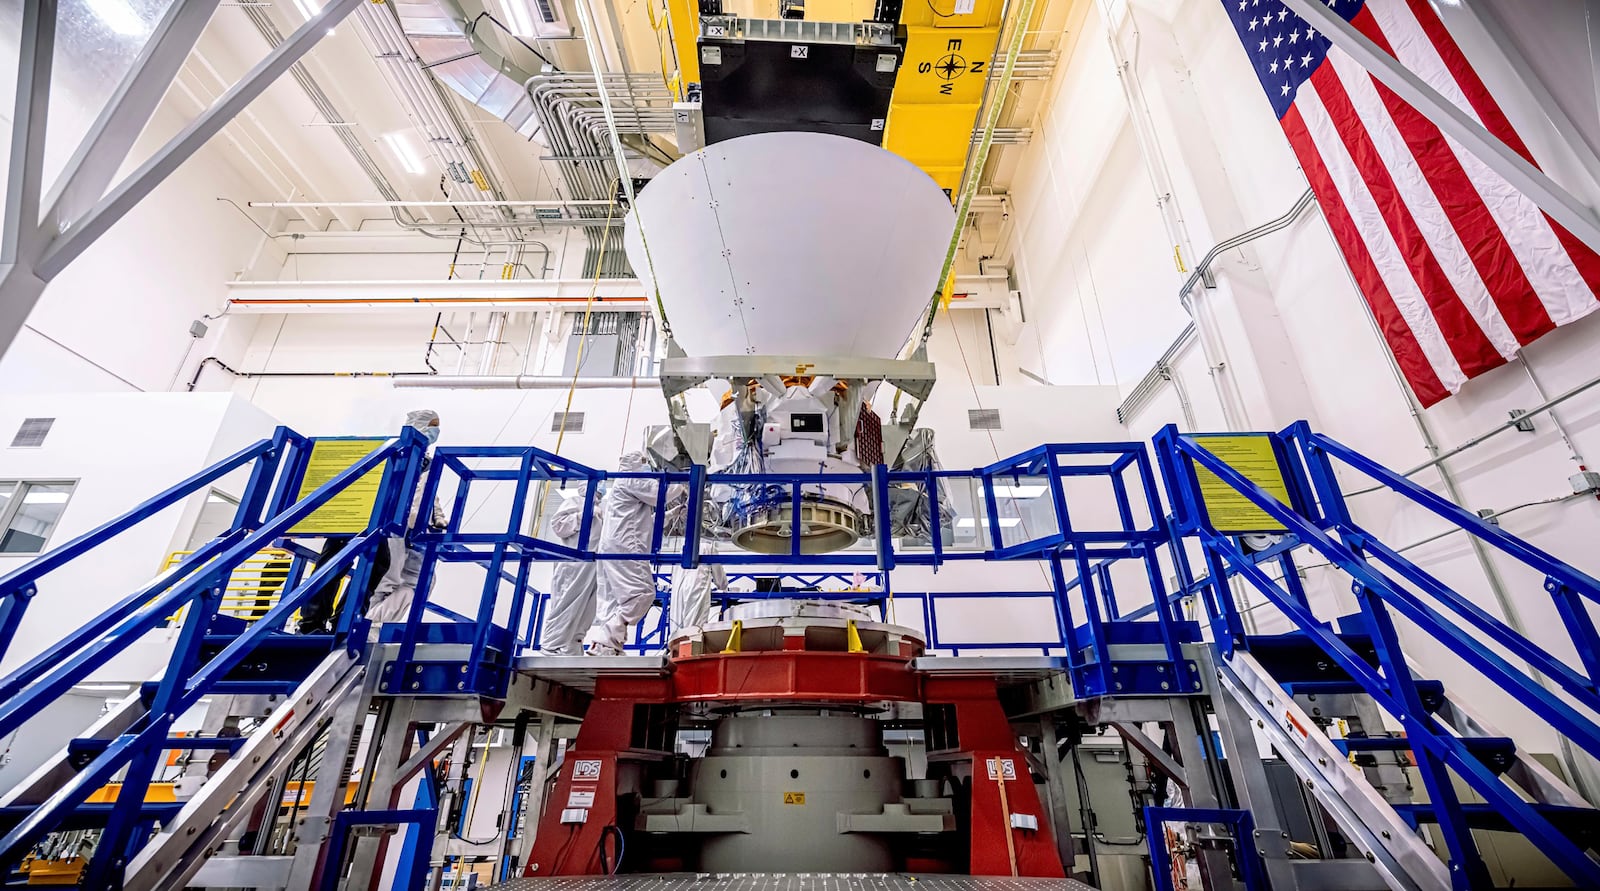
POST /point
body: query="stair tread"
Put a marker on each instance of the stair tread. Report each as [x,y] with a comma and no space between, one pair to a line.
[1428,688]
[1585,820]
[1498,753]
[89,816]
[231,743]
[147,690]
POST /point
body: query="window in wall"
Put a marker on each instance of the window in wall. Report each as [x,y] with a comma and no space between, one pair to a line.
[29,511]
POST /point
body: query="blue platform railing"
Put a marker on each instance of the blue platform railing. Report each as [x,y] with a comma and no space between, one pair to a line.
[1387,586]
[1106,593]
[267,511]
[1026,508]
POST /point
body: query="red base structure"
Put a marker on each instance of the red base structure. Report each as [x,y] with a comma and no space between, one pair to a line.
[575,836]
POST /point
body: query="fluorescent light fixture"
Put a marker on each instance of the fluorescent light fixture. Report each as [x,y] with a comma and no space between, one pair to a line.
[119,16]
[404,152]
[103,688]
[45,498]
[309,8]
[519,18]
[1018,491]
[1005,522]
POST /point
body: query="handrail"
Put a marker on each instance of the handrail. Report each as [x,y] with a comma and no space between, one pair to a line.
[1494,535]
[12,582]
[16,706]
[1396,691]
[187,682]
[30,671]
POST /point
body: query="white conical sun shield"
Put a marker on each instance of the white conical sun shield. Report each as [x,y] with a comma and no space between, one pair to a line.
[791,244]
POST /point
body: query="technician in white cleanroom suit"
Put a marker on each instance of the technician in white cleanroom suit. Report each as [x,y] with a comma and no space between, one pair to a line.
[627,587]
[571,607]
[391,597]
[692,590]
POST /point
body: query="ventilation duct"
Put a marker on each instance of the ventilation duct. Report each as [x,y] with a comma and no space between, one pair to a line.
[446,41]
[32,433]
[983,419]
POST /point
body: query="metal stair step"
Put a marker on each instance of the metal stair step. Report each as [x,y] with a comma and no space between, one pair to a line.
[278,656]
[1296,657]
[1575,822]
[1432,692]
[89,816]
[83,750]
[268,687]
[1497,753]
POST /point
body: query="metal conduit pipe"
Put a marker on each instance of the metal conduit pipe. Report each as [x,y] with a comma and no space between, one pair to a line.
[558,203]
[324,106]
[213,360]
[1162,369]
[556,106]
[446,132]
[1481,438]
[519,382]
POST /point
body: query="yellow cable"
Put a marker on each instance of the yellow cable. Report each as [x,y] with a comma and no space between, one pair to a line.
[588,310]
[583,341]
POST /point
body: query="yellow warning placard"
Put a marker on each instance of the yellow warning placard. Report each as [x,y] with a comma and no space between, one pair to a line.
[794,798]
[349,511]
[1252,456]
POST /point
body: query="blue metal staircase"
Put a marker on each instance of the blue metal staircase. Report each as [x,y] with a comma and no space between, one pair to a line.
[1359,656]
[101,780]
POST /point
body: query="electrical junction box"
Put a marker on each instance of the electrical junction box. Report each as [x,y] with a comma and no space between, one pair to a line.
[1025,821]
[1584,481]
[575,815]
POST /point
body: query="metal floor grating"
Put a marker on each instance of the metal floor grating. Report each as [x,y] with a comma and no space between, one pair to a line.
[742,881]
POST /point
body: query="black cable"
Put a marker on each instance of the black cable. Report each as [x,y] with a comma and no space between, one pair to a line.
[942,15]
[213,360]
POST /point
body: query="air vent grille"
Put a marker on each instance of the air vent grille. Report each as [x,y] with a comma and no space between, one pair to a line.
[983,418]
[32,433]
[573,421]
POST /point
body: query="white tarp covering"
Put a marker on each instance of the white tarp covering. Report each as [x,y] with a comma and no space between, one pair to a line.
[798,244]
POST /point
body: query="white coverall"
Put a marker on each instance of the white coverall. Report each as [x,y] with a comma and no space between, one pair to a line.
[571,607]
[692,590]
[392,596]
[627,587]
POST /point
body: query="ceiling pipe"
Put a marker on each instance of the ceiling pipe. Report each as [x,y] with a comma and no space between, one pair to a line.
[558,203]
[520,382]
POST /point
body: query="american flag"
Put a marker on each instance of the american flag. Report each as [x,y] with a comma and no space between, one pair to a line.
[1461,270]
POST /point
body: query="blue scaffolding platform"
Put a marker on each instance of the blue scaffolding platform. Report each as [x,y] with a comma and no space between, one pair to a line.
[1145,551]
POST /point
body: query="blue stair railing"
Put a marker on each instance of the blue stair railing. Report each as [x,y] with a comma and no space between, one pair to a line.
[206,649]
[1316,516]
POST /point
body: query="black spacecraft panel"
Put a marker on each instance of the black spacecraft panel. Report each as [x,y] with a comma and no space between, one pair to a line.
[763,86]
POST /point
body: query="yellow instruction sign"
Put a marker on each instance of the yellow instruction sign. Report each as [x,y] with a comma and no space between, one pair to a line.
[794,798]
[1252,456]
[349,511]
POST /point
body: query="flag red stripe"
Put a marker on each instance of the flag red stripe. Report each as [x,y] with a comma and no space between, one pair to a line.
[1491,254]
[1414,364]
[1467,342]
[1495,121]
